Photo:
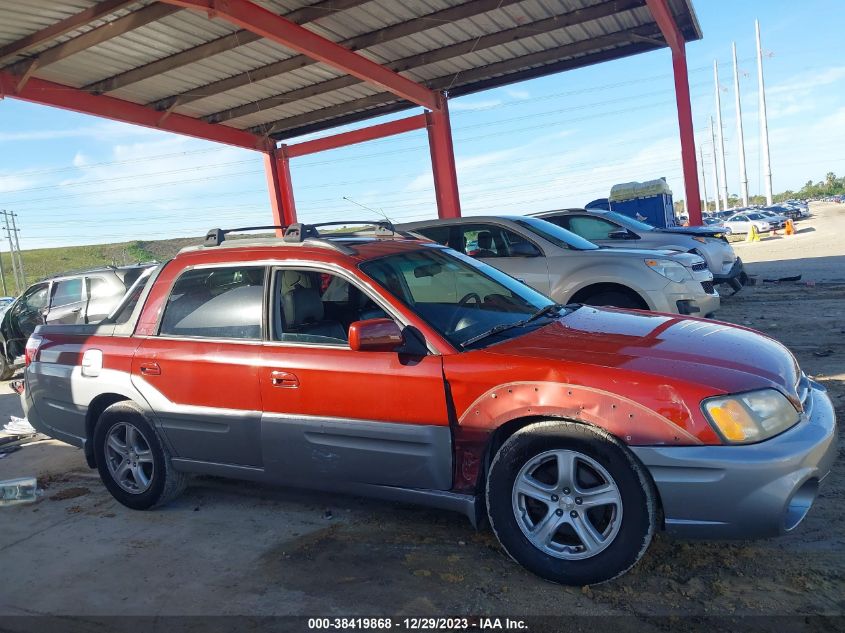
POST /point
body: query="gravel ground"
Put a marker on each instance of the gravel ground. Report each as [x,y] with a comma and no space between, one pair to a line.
[232,548]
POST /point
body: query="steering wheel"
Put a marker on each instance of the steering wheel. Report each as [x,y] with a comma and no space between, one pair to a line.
[470,295]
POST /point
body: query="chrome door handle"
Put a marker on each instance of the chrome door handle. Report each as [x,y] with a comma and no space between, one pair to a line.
[284,379]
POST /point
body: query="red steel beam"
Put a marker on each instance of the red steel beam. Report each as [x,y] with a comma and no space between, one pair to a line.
[666,21]
[275,28]
[282,203]
[57,95]
[371,133]
[673,36]
[443,162]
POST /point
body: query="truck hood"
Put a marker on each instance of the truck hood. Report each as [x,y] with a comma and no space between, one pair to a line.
[712,354]
[700,231]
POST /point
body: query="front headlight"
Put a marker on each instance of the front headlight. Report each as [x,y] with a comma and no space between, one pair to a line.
[669,269]
[750,417]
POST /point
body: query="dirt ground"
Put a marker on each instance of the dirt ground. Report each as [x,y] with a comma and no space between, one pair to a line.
[232,548]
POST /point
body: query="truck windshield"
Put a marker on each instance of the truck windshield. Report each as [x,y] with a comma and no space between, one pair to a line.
[458,296]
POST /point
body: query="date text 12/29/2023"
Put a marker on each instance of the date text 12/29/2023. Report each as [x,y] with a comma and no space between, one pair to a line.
[419,624]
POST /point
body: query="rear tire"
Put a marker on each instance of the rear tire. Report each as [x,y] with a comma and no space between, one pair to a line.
[570,503]
[133,463]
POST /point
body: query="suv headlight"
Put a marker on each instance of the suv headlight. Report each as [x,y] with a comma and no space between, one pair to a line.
[669,269]
[750,417]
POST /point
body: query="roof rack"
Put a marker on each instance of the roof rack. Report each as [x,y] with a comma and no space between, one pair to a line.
[297,232]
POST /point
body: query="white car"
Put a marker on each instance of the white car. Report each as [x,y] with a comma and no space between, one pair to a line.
[570,269]
[742,223]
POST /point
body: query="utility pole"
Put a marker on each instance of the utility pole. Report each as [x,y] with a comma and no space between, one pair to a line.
[3,275]
[740,137]
[722,172]
[16,233]
[703,176]
[764,126]
[11,251]
[715,167]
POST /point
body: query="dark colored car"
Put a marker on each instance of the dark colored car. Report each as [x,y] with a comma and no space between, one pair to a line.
[74,298]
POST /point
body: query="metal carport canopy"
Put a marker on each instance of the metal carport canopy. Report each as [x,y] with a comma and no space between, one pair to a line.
[252,72]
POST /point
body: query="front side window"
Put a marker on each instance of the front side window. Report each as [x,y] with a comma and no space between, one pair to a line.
[315,307]
[67,292]
[455,295]
[216,303]
[35,298]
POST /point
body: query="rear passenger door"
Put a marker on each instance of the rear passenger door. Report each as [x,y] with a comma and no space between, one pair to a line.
[67,302]
[334,417]
[199,372]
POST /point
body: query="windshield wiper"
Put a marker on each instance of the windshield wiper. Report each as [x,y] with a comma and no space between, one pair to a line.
[496,329]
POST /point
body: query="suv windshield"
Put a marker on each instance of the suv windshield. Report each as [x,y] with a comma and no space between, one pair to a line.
[458,296]
[556,235]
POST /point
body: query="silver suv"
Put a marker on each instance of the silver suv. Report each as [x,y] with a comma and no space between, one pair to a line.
[608,228]
[570,269]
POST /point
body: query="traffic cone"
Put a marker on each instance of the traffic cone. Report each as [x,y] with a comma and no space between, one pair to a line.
[789,229]
[753,235]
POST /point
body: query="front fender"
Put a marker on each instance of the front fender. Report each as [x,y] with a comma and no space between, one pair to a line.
[631,422]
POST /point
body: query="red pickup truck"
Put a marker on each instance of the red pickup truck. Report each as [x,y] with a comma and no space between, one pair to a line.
[400,369]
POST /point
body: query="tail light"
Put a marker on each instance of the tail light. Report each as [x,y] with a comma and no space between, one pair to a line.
[31,352]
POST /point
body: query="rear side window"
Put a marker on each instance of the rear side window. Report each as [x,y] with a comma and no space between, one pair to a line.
[216,303]
[67,292]
[99,288]
[591,228]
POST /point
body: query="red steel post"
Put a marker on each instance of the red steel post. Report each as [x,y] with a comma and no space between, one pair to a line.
[673,36]
[693,197]
[277,169]
[443,162]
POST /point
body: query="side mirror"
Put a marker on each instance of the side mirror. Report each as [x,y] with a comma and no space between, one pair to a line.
[524,249]
[375,335]
[621,234]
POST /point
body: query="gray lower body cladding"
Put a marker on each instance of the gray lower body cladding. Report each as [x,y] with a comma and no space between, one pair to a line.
[744,492]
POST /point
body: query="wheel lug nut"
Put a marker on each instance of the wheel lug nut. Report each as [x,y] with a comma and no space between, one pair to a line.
[573,514]
[579,501]
[554,497]
[566,491]
[559,512]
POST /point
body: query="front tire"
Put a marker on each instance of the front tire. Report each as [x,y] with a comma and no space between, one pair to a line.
[570,503]
[133,463]
[617,299]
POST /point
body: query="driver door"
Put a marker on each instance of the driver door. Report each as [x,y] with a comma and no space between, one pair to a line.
[337,418]
[510,252]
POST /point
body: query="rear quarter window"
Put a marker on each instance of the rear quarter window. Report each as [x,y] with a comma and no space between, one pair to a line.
[216,303]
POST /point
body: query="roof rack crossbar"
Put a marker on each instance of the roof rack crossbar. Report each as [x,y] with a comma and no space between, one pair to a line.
[215,237]
[294,233]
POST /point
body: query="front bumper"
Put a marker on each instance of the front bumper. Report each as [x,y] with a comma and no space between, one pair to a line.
[736,272]
[752,491]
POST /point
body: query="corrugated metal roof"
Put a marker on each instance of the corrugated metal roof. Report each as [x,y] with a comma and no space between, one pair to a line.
[475,44]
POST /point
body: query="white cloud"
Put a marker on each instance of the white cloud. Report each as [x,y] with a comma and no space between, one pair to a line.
[105,131]
[520,95]
[458,105]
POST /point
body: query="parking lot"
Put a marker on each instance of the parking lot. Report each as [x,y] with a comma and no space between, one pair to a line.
[227,547]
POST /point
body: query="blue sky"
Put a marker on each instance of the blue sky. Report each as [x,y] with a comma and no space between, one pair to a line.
[547,143]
